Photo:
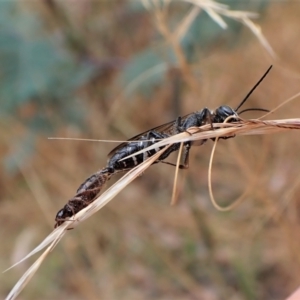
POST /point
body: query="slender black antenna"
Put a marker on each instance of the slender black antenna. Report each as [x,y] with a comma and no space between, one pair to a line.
[257,109]
[251,91]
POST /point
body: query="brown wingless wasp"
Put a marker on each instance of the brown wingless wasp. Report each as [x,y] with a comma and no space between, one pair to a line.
[91,187]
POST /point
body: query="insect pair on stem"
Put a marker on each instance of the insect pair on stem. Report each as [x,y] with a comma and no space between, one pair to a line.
[122,157]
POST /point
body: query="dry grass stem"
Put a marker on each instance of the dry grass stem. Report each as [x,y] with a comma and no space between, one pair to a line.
[184,26]
[280,105]
[216,10]
[174,194]
[55,236]
[243,127]
[27,276]
[86,140]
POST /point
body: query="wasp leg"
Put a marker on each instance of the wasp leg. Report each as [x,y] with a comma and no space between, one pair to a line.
[152,136]
[168,163]
[185,164]
[156,135]
[148,136]
[171,164]
[186,155]
[178,127]
[207,117]
[226,137]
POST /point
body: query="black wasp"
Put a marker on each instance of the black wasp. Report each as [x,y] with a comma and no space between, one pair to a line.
[91,187]
[85,194]
[181,124]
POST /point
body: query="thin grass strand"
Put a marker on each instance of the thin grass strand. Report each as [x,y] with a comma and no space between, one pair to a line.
[216,17]
[280,105]
[22,282]
[186,23]
[173,199]
[86,140]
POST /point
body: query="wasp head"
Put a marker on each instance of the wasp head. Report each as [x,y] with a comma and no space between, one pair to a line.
[223,112]
[62,215]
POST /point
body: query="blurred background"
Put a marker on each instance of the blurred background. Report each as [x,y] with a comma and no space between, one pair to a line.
[110,70]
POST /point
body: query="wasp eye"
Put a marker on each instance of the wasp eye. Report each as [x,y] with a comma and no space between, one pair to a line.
[60,214]
[227,111]
[223,112]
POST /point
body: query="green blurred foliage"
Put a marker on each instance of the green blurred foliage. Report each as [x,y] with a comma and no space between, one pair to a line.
[35,65]
[37,69]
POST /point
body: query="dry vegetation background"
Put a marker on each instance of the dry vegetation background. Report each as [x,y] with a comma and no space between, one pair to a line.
[138,246]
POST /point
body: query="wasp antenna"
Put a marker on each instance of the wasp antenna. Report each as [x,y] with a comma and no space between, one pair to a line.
[257,109]
[256,85]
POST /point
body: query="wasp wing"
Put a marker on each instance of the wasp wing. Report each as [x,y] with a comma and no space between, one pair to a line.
[167,128]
